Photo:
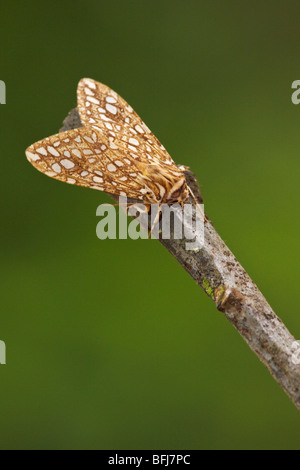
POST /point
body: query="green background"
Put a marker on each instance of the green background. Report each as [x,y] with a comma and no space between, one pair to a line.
[110,344]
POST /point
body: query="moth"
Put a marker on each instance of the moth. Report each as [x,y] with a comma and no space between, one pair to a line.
[114,152]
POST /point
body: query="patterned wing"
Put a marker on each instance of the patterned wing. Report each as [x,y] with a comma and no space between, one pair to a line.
[86,157]
[100,106]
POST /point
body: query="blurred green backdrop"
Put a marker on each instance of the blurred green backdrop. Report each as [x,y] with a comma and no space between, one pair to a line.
[110,344]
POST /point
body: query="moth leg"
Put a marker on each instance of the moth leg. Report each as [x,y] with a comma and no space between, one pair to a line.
[139,206]
[156,220]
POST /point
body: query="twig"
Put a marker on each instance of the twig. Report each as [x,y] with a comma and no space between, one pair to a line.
[224,280]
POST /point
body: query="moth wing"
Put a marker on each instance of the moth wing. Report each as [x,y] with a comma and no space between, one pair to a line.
[101,106]
[86,157]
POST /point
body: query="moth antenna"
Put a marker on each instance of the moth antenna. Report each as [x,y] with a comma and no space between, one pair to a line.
[197,204]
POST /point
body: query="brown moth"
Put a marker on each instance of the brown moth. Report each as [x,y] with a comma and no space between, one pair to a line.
[114,152]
